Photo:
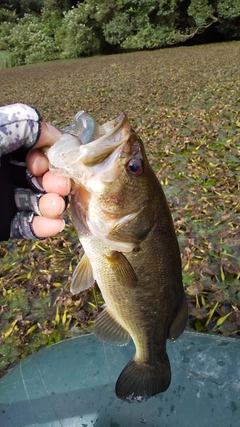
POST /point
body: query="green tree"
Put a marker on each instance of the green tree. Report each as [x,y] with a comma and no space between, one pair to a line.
[201,12]
[142,24]
[77,35]
[119,28]
[29,43]
[60,5]
[7,15]
[228,10]
[71,28]
[229,18]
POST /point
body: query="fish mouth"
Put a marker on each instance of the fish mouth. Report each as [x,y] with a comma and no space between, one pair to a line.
[67,157]
[112,135]
[103,160]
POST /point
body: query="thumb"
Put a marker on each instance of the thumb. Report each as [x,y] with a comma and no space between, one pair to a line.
[49,135]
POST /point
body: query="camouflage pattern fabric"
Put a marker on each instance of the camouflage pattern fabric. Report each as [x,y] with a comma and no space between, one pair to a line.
[27,204]
[20,125]
[21,226]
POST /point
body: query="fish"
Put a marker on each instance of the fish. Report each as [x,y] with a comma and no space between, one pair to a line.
[125,226]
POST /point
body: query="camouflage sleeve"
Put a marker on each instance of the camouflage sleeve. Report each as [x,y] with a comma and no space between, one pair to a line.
[27,201]
[20,125]
[19,198]
[20,128]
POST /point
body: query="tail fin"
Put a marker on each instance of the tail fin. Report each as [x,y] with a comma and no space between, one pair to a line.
[138,381]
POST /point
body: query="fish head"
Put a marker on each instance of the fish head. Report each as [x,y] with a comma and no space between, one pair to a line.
[113,185]
[113,196]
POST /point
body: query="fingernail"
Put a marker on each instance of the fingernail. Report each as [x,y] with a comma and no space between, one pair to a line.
[54,131]
[63,225]
[68,185]
[39,165]
[63,206]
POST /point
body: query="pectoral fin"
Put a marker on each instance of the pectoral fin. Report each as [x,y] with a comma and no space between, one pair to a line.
[107,329]
[82,276]
[123,270]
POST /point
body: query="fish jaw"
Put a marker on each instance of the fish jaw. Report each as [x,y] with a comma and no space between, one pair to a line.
[114,134]
[68,155]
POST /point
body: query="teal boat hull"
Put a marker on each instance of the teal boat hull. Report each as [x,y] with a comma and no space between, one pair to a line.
[71,384]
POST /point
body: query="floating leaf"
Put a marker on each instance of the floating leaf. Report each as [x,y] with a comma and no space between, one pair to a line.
[222,319]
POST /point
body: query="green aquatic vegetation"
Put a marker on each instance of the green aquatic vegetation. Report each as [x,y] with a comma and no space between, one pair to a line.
[184,103]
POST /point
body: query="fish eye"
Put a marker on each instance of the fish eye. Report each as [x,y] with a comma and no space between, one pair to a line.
[135,166]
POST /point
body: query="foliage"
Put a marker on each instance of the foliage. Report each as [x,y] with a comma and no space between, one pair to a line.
[76,35]
[184,103]
[69,29]
[229,19]
[118,29]
[201,11]
[7,16]
[5,31]
[228,11]
[30,42]
[147,38]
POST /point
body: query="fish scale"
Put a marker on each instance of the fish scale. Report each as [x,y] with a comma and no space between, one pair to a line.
[125,226]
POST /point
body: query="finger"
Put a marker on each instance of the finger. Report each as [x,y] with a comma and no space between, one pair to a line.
[25,225]
[51,205]
[49,135]
[47,227]
[37,162]
[56,184]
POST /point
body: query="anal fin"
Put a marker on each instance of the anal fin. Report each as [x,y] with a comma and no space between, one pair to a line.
[82,276]
[107,329]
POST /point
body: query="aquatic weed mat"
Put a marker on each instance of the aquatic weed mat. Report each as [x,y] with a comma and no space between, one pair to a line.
[185,104]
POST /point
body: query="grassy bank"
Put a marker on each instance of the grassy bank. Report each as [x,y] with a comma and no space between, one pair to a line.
[184,103]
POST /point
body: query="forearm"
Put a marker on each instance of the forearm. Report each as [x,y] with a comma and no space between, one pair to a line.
[20,125]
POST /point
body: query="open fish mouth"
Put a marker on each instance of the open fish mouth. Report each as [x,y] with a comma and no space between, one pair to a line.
[68,156]
[113,134]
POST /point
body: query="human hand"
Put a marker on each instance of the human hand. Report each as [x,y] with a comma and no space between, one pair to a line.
[52,204]
[31,200]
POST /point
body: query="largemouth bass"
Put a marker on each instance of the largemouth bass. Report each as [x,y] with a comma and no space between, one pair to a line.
[125,227]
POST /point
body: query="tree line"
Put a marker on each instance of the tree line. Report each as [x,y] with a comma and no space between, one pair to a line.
[42,30]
